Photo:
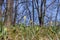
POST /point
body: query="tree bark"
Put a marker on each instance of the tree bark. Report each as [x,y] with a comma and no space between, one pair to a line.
[57,13]
[9,12]
[33,11]
[42,12]
[40,16]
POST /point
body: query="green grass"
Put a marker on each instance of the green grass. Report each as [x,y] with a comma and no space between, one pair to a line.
[30,33]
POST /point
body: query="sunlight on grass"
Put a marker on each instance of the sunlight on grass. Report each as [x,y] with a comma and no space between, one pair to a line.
[30,33]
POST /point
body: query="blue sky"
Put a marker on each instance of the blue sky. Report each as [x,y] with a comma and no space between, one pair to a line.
[51,10]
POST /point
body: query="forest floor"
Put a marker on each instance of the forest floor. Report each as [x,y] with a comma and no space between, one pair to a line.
[30,33]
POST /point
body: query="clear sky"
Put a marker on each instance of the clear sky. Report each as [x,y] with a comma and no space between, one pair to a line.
[51,10]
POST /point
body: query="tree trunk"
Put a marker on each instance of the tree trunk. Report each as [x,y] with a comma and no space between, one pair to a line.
[57,13]
[8,14]
[33,11]
[0,14]
[40,16]
[15,15]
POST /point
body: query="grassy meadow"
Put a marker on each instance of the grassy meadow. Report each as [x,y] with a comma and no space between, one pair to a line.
[22,32]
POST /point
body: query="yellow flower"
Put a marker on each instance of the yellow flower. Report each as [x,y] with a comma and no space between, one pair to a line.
[5,29]
[37,28]
[24,17]
[59,32]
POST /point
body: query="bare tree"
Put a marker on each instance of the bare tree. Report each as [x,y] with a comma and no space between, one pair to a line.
[15,12]
[57,13]
[1,2]
[33,10]
[8,14]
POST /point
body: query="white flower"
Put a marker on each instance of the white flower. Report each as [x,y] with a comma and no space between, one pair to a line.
[31,21]
[51,22]
[24,17]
